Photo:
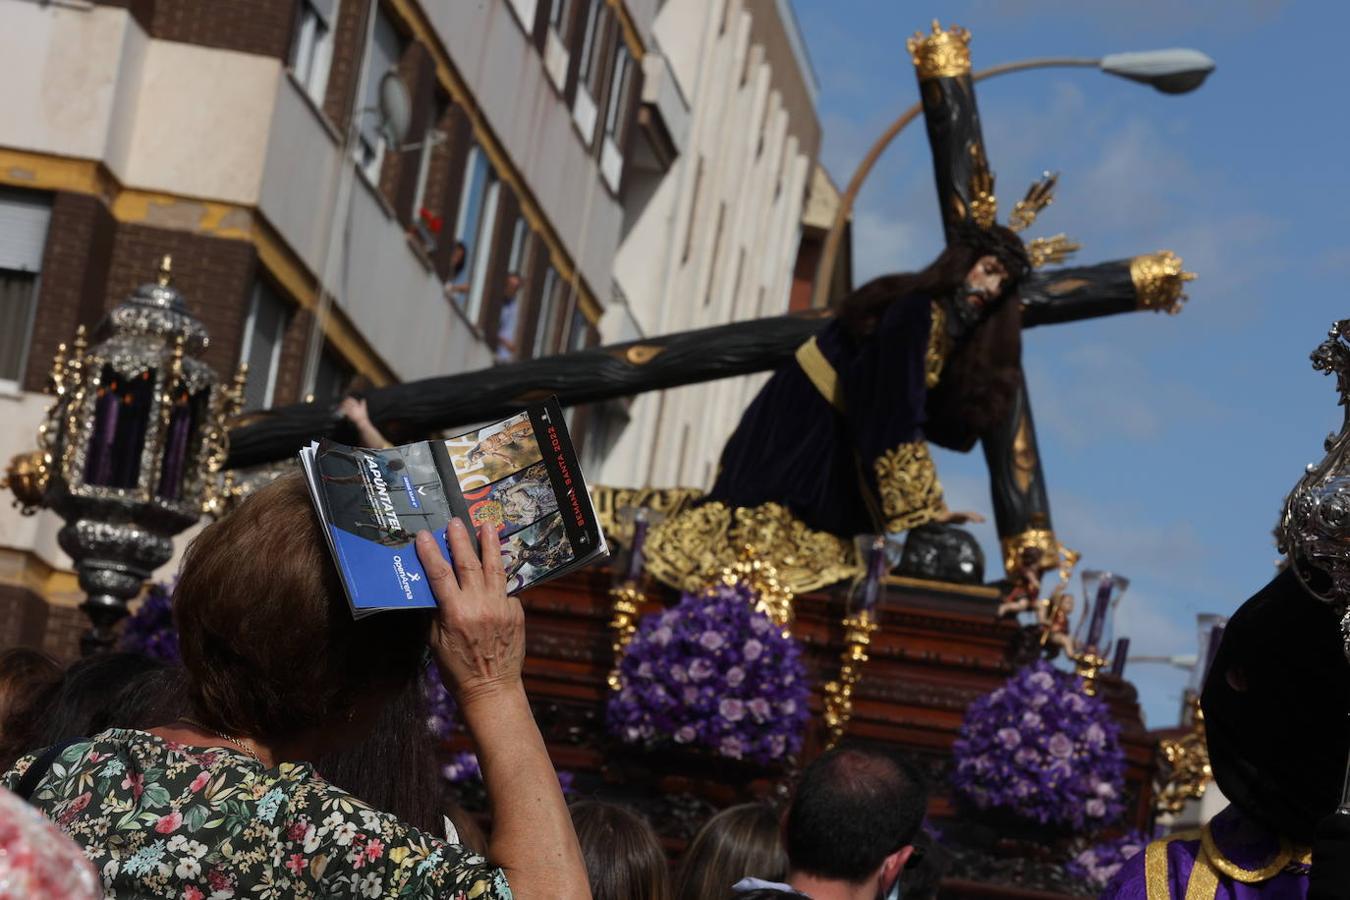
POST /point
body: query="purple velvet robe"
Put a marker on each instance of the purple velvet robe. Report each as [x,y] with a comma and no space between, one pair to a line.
[1231,858]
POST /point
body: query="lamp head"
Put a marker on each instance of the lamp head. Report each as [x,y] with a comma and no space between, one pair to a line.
[1175,71]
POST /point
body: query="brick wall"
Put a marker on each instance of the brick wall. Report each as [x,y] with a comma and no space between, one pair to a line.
[249,26]
[348,45]
[74,270]
[216,277]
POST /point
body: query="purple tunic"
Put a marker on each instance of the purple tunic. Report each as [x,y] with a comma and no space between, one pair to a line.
[1231,858]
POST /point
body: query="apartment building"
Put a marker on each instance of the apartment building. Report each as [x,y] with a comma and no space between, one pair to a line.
[251,141]
[715,237]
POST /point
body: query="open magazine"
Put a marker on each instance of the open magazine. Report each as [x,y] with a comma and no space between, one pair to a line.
[519,474]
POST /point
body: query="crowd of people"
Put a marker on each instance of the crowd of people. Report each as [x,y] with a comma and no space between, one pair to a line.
[288,756]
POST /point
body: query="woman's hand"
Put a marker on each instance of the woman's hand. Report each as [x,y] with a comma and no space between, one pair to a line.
[479,633]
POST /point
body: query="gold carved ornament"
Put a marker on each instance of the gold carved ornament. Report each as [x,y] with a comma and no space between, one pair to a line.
[858,630]
[1023,454]
[1159,281]
[983,204]
[1188,770]
[772,597]
[939,345]
[625,601]
[608,501]
[220,491]
[693,547]
[907,481]
[1043,539]
[1040,195]
[940,54]
[1051,251]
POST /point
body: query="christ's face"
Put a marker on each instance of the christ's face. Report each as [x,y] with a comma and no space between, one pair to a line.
[985,281]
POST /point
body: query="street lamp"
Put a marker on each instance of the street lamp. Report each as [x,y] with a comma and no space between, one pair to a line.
[1168,71]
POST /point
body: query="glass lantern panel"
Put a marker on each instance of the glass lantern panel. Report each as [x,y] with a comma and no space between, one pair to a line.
[182,443]
[123,408]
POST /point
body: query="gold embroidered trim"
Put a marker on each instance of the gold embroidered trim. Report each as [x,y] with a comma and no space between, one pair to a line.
[1204,881]
[908,483]
[1284,856]
[691,549]
[821,373]
[1155,864]
[938,347]
[610,501]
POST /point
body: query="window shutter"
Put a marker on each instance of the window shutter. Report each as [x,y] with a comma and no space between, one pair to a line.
[24,217]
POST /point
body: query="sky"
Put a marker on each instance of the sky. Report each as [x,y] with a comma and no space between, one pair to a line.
[1168,442]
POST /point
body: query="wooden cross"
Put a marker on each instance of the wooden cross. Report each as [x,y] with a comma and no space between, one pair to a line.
[1153,281]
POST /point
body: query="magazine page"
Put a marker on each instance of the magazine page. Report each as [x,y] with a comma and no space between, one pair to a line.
[373,503]
[521,475]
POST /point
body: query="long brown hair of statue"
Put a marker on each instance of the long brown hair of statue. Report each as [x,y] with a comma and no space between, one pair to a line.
[983,373]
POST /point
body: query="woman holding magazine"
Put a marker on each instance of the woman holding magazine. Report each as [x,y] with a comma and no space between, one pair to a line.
[226,803]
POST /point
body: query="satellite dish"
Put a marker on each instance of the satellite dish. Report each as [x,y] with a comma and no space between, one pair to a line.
[395,108]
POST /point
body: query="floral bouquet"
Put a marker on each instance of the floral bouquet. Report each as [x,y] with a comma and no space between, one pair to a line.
[1043,750]
[1099,864]
[150,630]
[442,713]
[712,673]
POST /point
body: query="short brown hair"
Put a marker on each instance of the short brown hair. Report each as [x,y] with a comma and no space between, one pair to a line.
[267,637]
[623,858]
[738,842]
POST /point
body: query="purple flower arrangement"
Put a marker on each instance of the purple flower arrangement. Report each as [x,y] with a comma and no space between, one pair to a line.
[712,673]
[1043,750]
[1099,864]
[150,629]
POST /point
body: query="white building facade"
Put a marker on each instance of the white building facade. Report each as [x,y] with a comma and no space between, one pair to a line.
[716,237]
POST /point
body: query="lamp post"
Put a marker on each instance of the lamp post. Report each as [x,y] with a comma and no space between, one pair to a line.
[1168,71]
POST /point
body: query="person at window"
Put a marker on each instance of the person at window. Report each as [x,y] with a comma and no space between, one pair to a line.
[228,802]
[455,289]
[507,319]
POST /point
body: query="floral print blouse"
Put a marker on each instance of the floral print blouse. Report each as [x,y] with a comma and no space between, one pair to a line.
[163,820]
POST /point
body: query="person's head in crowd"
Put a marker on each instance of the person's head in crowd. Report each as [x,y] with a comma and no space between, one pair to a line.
[511,286]
[623,857]
[739,841]
[24,672]
[851,828]
[1281,660]
[270,647]
[92,695]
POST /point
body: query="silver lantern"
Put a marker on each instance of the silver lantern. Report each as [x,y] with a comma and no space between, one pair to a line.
[132,447]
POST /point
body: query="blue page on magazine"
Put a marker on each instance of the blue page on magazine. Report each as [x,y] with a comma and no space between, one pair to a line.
[376,501]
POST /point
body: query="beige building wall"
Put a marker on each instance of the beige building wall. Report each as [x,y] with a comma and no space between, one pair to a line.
[718,240]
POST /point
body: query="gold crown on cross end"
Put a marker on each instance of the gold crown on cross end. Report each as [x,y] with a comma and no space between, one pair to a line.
[940,54]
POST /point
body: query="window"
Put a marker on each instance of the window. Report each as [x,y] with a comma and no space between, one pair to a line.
[550,307]
[556,55]
[616,118]
[584,111]
[508,314]
[264,332]
[24,218]
[312,52]
[331,379]
[579,332]
[474,225]
[386,48]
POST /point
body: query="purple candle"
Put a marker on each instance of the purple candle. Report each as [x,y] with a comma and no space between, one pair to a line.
[635,558]
[876,570]
[1122,653]
[1103,604]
